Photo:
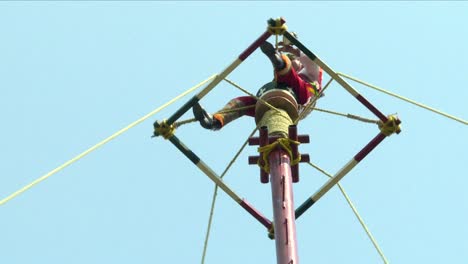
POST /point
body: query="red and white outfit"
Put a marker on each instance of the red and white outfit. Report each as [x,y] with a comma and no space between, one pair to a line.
[306,84]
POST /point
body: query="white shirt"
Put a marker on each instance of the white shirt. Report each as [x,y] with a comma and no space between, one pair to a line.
[310,70]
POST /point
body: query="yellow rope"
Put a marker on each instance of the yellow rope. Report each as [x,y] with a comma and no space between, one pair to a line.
[278,28]
[277,123]
[86,152]
[165,130]
[356,213]
[285,143]
[406,99]
[390,126]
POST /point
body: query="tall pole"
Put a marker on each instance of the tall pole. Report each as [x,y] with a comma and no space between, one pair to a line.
[283,207]
[277,135]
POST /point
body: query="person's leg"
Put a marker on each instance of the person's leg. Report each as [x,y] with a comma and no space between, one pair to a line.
[206,120]
[274,56]
[235,108]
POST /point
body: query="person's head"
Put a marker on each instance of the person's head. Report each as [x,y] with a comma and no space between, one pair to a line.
[295,63]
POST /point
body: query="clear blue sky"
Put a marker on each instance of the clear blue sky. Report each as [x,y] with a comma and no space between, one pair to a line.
[73,73]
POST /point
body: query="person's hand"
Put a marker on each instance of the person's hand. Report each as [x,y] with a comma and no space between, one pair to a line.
[288,48]
[285,48]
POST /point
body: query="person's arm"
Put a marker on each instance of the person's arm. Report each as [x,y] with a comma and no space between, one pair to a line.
[311,70]
[289,76]
[289,48]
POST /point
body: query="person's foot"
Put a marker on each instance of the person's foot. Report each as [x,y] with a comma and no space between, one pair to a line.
[275,58]
[206,120]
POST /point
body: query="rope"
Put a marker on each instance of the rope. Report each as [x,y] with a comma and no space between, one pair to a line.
[277,26]
[236,109]
[191,120]
[215,193]
[250,94]
[312,103]
[183,122]
[355,117]
[356,213]
[405,99]
[390,127]
[277,123]
[276,43]
[285,143]
[350,116]
[100,144]
[309,105]
[165,130]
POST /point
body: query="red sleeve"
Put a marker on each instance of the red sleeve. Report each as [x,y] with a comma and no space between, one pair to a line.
[247,101]
[290,77]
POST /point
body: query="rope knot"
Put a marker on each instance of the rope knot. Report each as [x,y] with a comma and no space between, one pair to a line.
[277,26]
[164,129]
[391,126]
[285,144]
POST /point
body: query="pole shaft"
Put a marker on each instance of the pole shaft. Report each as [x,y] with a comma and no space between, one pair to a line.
[283,207]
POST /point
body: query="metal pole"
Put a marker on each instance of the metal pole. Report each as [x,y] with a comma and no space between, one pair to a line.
[283,207]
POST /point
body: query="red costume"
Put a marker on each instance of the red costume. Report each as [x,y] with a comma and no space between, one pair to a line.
[302,89]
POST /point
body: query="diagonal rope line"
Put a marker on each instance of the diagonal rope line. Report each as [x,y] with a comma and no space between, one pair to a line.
[250,94]
[100,144]
[312,103]
[301,116]
[406,99]
[351,116]
[309,105]
[215,193]
[356,213]
[191,120]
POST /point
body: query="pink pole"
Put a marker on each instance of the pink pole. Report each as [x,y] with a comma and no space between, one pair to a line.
[283,208]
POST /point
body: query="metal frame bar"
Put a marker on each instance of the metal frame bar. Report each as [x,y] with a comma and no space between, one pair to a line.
[217,180]
[340,174]
[361,154]
[335,76]
[192,156]
[246,53]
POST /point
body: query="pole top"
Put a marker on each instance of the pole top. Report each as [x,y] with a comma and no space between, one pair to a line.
[277,26]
